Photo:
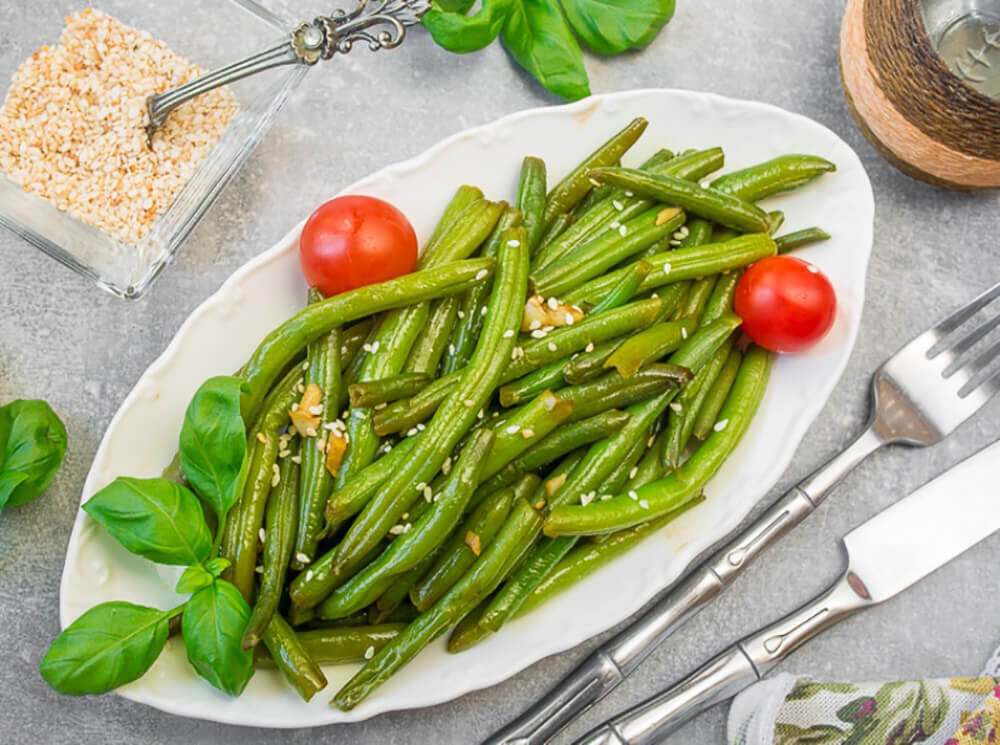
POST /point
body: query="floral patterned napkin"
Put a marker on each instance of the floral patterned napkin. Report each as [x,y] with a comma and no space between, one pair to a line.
[793,710]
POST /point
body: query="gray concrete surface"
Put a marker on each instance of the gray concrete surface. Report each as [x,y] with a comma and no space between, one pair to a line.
[64,340]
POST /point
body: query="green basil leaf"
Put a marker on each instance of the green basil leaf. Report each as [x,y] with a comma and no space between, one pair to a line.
[615,26]
[213,444]
[217,566]
[108,646]
[194,578]
[213,623]
[454,6]
[460,33]
[154,518]
[33,443]
[537,36]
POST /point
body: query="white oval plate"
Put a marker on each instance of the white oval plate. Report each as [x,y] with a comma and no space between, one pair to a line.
[222,332]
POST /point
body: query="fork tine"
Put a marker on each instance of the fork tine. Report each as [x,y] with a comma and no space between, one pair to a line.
[978,365]
[991,386]
[963,314]
[968,341]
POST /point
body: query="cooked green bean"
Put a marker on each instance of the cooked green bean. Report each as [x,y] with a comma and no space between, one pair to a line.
[556,228]
[586,366]
[434,337]
[699,291]
[386,390]
[686,482]
[717,206]
[773,176]
[526,426]
[402,415]
[280,525]
[592,258]
[683,263]
[548,378]
[626,288]
[349,499]
[531,200]
[565,195]
[341,645]
[721,301]
[455,415]
[775,218]
[649,345]
[292,659]
[800,238]
[463,197]
[352,339]
[708,413]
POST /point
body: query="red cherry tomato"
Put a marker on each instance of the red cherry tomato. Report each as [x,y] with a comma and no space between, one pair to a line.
[353,241]
[786,304]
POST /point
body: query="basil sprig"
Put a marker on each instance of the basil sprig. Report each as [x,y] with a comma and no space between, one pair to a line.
[541,34]
[32,447]
[115,643]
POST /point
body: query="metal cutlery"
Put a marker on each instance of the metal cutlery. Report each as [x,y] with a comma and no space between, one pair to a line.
[310,42]
[888,553]
[919,396]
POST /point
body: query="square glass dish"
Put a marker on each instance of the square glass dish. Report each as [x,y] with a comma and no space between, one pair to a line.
[210,33]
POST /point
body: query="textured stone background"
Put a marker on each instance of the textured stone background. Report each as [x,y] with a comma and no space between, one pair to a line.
[62,339]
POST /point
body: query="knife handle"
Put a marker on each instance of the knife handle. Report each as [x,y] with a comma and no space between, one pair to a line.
[732,670]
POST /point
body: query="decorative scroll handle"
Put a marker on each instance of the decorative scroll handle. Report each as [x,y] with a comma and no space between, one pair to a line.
[379,23]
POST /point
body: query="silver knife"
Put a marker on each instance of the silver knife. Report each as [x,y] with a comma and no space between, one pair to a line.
[893,550]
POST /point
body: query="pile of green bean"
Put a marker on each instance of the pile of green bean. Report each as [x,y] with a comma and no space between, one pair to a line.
[560,377]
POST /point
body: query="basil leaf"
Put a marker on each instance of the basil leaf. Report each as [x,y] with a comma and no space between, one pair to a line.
[217,566]
[537,36]
[108,646]
[614,26]
[213,623]
[194,578]
[213,443]
[154,518]
[33,441]
[460,33]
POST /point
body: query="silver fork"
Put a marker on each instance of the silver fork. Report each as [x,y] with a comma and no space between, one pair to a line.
[919,396]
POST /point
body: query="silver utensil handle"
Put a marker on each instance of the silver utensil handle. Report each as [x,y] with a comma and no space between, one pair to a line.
[592,680]
[732,670]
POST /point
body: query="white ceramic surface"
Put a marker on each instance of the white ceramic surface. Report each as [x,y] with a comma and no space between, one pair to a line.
[222,332]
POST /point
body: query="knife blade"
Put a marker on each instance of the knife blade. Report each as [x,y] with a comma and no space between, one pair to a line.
[890,552]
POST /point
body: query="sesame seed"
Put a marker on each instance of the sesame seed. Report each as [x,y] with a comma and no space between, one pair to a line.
[534,325]
[617,205]
[720,425]
[369,653]
[629,194]
[421,485]
[301,387]
[284,453]
[527,433]
[589,347]
[552,346]
[316,410]
[622,231]
[513,429]
[259,569]
[633,494]
[650,441]
[446,466]
[428,493]
[367,347]
[676,407]
[305,365]
[508,334]
[295,407]
[482,274]
[481,414]
[262,534]
[483,311]
[684,333]
[539,334]
[309,575]
[302,558]
[296,459]
[586,499]
[605,497]
[421,427]
[461,314]
[411,431]
[311,432]
[632,474]
[615,224]
[665,269]
[451,349]
[344,414]
[397,529]
[644,504]
[553,303]
[275,475]
[469,402]
[513,243]
[379,407]
[261,437]
[594,182]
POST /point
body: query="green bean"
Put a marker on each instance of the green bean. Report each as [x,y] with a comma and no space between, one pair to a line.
[622,292]
[352,373]
[589,365]
[683,263]
[775,218]
[295,663]
[592,258]
[455,415]
[699,232]
[352,339]
[649,345]
[556,228]
[721,301]
[528,425]
[721,234]
[403,613]
[253,503]
[459,348]
[464,196]
[699,291]
[341,645]
[396,594]
[433,338]
[531,199]
[588,557]
[484,576]
[717,206]
[686,482]
[598,194]
[467,633]
[349,499]
[386,390]
[688,166]
[649,469]
[800,238]
[285,343]
[685,409]
[409,548]
[773,176]
[484,522]
[317,481]
[593,329]
[565,195]
[280,525]
[548,378]
[402,415]
[298,616]
[708,413]
[314,585]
